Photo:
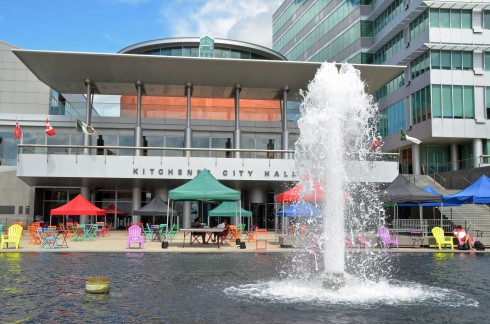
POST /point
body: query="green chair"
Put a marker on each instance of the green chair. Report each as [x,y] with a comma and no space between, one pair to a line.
[442,240]
[13,236]
[147,231]
[173,232]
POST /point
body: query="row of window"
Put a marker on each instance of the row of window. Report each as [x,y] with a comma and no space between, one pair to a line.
[441,60]
[218,52]
[387,15]
[392,119]
[312,13]
[338,44]
[389,49]
[391,86]
[453,101]
[419,25]
[451,18]
[420,105]
[322,29]
[8,146]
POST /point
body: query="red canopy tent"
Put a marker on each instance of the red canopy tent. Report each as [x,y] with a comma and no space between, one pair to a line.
[78,206]
[294,194]
[112,209]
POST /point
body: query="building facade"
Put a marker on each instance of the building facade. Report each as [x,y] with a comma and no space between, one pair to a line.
[443,96]
[182,105]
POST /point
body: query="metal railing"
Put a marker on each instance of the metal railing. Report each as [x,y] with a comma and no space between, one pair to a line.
[132,150]
[435,174]
[424,225]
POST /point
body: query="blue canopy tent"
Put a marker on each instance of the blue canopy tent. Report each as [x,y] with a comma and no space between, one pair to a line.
[300,209]
[476,193]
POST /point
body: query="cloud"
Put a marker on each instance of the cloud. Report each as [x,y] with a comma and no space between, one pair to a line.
[249,21]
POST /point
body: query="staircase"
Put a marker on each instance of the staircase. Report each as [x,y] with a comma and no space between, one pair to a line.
[478,215]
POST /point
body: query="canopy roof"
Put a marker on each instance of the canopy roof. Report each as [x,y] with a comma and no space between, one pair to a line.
[295,194]
[78,206]
[476,193]
[300,209]
[112,209]
[204,187]
[229,208]
[156,207]
[445,201]
[401,190]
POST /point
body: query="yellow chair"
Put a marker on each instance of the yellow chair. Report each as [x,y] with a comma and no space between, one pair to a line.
[442,240]
[13,236]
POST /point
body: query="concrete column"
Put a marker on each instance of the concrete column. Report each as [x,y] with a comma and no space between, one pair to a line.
[454,157]
[188,129]
[162,193]
[236,133]
[257,196]
[138,132]
[477,151]
[85,192]
[416,159]
[136,204]
[186,217]
[88,114]
[284,133]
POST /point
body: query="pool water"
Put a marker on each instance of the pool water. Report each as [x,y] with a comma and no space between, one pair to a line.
[239,288]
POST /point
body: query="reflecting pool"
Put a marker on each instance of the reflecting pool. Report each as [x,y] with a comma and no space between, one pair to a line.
[240,288]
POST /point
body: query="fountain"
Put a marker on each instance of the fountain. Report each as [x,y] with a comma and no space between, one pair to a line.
[337,124]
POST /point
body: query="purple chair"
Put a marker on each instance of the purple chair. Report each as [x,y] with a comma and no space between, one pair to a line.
[135,236]
[385,237]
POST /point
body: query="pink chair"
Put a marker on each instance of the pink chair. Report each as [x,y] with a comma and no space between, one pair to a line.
[364,243]
[135,236]
[386,239]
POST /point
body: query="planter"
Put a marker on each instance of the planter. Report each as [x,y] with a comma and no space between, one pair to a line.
[97,285]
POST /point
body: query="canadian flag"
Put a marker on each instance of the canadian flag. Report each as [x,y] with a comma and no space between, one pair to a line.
[49,129]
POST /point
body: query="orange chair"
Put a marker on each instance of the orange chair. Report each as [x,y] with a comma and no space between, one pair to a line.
[252,234]
[31,231]
[261,239]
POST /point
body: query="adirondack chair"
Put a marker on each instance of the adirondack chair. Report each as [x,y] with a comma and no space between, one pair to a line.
[442,240]
[135,236]
[385,237]
[13,236]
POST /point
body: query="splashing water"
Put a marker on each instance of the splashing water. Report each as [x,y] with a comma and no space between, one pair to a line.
[337,124]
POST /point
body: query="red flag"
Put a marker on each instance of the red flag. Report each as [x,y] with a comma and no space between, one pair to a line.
[49,129]
[376,144]
[17,132]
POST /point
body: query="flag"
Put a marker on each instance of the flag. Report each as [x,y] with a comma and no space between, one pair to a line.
[84,128]
[405,137]
[17,132]
[49,129]
[376,144]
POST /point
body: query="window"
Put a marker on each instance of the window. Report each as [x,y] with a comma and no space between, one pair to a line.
[487,100]
[469,102]
[436,101]
[467,60]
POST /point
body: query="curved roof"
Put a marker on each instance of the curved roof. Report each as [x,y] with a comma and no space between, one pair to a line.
[195,41]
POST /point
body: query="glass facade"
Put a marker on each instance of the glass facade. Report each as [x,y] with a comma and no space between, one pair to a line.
[394,9]
[420,65]
[450,18]
[392,119]
[295,35]
[419,25]
[390,87]
[451,60]
[389,49]
[453,101]
[420,105]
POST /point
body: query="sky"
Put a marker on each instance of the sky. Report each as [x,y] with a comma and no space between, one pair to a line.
[107,26]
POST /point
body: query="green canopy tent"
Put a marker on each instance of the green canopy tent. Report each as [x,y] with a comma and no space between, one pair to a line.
[229,208]
[204,187]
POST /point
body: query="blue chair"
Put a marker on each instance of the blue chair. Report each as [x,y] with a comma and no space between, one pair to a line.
[51,241]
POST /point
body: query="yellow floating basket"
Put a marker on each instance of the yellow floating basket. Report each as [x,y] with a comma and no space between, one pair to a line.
[97,285]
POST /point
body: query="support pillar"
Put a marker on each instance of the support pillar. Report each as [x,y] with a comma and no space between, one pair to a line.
[138,132]
[85,192]
[236,133]
[188,130]
[186,217]
[454,157]
[136,205]
[416,159]
[88,116]
[284,133]
[477,151]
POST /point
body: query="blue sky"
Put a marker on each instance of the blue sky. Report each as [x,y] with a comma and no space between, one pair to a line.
[107,26]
